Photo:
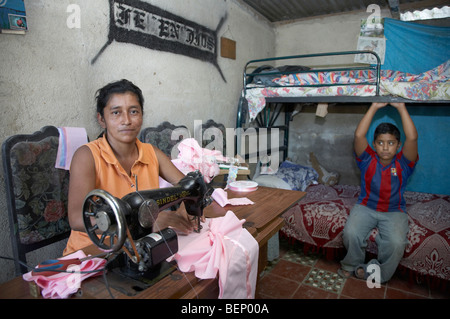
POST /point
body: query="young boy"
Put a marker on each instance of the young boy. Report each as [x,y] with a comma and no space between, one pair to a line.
[384,173]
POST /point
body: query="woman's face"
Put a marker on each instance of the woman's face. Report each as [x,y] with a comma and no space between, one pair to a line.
[122,117]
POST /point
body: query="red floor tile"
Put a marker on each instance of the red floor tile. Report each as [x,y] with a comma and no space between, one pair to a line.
[273,286]
[288,278]
[291,270]
[401,294]
[330,265]
[399,283]
[357,288]
[307,292]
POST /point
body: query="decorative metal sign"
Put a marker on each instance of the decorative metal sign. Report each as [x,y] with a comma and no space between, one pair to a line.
[140,23]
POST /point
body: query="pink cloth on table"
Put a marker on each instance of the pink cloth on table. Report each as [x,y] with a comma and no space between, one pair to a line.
[223,247]
[62,285]
[192,157]
[70,139]
[221,197]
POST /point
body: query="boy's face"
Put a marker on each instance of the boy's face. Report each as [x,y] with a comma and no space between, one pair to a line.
[386,146]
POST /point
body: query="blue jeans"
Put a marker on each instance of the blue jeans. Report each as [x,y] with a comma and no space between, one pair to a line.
[391,240]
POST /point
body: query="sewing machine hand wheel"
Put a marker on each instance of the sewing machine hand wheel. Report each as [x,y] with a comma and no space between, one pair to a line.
[102,215]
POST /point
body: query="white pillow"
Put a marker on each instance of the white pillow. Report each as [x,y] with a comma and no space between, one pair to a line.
[271,181]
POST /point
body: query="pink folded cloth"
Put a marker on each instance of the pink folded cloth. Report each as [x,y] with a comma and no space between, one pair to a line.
[221,197]
[64,284]
[192,157]
[224,247]
[70,139]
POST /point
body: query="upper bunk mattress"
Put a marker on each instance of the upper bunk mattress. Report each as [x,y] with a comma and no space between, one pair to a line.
[427,86]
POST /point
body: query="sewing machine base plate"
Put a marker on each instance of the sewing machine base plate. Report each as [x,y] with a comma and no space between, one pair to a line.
[131,282]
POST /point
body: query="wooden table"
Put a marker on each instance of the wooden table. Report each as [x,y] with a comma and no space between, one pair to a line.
[263,220]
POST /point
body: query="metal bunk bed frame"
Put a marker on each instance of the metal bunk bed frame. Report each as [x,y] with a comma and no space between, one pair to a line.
[266,118]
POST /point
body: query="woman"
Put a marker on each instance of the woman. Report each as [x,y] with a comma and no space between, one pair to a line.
[117,161]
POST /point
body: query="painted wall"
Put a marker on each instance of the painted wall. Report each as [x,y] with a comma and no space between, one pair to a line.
[47,76]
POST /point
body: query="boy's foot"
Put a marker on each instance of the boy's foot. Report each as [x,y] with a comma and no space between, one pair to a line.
[344,273]
[360,272]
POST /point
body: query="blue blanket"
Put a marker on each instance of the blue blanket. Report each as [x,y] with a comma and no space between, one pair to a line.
[415,48]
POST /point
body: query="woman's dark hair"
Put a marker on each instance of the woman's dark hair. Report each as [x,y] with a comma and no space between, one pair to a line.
[387,128]
[122,86]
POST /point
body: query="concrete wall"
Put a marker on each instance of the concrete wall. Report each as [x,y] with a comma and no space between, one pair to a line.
[47,76]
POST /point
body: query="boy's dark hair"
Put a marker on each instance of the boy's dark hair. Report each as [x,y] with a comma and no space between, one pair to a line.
[387,128]
[122,86]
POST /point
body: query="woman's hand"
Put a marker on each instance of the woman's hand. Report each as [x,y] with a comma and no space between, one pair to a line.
[179,220]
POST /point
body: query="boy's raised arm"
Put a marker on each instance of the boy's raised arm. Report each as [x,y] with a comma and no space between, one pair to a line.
[410,149]
[360,142]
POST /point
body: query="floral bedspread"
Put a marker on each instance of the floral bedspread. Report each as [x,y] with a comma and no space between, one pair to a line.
[431,85]
[319,219]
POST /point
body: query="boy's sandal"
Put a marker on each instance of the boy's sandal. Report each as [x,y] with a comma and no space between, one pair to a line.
[344,273]
[358,274]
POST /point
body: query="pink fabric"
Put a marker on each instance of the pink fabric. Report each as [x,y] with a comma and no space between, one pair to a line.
[221,197]
[192,157]
[70,139]
[63,285]
[222,247]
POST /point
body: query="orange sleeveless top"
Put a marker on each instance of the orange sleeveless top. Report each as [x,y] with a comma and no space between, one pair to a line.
[111,177]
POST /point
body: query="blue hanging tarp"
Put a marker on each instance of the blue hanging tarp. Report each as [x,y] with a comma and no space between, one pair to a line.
[415,48]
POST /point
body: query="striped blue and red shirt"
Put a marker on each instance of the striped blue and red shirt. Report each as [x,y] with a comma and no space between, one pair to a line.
[382,187]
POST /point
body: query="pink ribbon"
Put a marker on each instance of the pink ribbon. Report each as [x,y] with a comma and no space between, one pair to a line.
[64,284]
[221,197]
[213,251]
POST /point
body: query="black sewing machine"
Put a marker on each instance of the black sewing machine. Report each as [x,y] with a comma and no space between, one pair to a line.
[125,224]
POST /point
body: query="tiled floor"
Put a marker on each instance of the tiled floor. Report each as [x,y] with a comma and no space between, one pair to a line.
[298,276]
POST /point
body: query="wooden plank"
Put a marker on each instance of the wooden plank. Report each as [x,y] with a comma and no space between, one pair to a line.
[204,289]
[227,48]
[269,203]
[263,236]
